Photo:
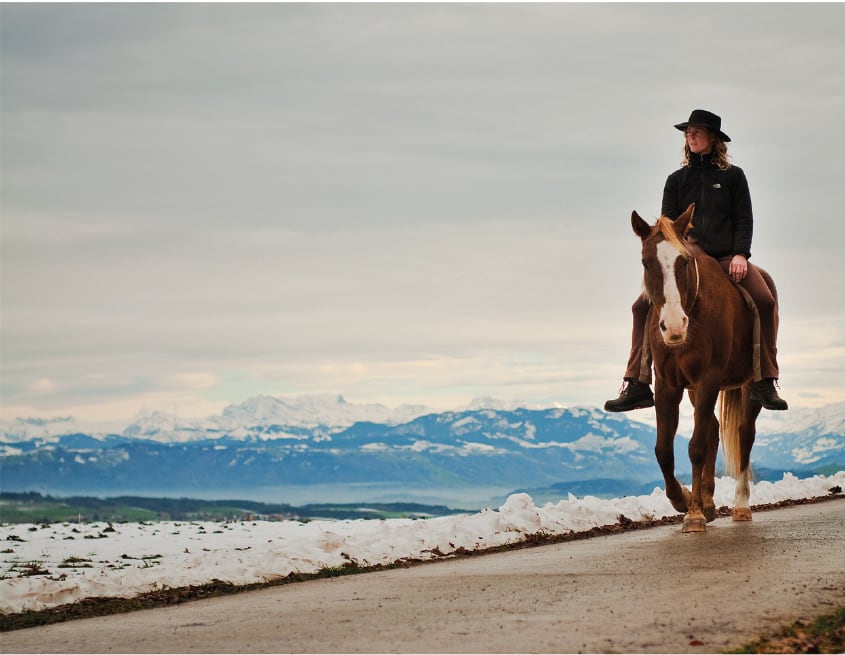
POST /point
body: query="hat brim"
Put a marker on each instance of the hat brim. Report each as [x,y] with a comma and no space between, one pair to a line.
[683,126]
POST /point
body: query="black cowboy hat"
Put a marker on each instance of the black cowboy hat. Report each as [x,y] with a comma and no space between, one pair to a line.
[704,118]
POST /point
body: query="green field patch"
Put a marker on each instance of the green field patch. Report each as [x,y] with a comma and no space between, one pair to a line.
[32,507]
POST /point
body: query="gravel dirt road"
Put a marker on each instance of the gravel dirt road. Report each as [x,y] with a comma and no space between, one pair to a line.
[654,590]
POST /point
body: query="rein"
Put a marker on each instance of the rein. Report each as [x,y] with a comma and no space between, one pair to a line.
[697,283]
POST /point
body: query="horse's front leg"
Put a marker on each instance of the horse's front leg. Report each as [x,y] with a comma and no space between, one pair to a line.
[666,405]
[702,453]
[708,480]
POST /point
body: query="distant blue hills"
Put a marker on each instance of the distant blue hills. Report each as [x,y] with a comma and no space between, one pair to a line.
[549,451]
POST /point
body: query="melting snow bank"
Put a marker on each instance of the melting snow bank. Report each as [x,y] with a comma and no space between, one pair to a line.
[46,566]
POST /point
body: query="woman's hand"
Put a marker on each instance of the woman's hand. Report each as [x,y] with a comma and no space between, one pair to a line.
[738,268]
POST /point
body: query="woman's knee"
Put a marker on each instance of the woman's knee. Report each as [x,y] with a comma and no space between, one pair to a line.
[760,292]
[762,297]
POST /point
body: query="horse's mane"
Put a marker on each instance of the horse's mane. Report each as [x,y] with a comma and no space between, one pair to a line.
[666,227]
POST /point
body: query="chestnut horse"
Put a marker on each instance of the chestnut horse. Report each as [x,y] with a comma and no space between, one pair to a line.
[706,343]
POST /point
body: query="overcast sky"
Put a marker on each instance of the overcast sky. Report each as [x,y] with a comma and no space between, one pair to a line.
[405,203]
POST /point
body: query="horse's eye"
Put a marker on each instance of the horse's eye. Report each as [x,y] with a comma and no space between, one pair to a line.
[644,264]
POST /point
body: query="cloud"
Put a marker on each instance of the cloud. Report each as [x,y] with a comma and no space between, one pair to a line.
[42,386]
[385,200]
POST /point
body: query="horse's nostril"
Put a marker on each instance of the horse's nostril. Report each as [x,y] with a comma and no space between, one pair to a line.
[662,326]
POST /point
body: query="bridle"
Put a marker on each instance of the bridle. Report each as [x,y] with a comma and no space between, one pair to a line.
[697,282]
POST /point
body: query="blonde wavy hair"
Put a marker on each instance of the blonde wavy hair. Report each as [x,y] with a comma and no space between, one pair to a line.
[719,156]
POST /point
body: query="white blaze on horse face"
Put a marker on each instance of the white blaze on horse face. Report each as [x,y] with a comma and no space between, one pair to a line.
[673,319]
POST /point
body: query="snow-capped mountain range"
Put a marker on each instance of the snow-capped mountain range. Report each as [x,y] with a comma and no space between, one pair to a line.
[250,419]
[245,420]
[269,442]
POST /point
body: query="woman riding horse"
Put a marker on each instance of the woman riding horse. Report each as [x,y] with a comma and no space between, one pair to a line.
[705,334]
[722,227]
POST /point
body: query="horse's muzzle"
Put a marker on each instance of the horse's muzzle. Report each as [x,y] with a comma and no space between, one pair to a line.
[673,326]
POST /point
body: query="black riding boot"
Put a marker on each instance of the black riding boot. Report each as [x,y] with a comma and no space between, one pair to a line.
[634,395]
[764,392]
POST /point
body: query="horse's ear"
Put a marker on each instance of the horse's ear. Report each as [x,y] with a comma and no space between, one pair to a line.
[641,228]
[684,222]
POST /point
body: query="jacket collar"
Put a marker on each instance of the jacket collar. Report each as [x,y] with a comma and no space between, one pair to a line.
[700,161]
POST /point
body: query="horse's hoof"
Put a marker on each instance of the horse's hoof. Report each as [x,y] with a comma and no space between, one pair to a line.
[695,523]
[681,503]
[710,513]
[741,514]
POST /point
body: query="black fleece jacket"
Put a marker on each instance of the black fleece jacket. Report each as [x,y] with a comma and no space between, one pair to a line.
[723,222]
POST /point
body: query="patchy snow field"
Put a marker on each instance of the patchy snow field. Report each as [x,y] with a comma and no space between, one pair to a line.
[48,565]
